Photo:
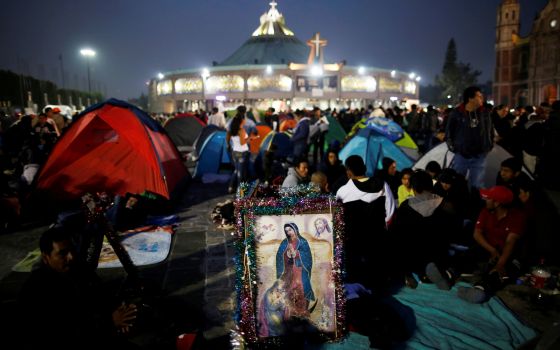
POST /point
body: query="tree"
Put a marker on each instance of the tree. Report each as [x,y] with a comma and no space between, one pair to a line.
[455,75]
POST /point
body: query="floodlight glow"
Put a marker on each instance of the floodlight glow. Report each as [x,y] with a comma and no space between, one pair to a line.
[87,52]
[220,98]
[393,73]
[268,69]
[317,70]
[412,75]
[160,76]
[361,70]
[418,78]
[205,73]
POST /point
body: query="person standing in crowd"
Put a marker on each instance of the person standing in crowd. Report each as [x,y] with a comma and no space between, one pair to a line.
[470,136]
[271,119]
[301,134]
[322,123]
[236,139]
[217,118]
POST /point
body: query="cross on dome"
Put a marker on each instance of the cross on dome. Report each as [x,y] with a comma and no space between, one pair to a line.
[316,44]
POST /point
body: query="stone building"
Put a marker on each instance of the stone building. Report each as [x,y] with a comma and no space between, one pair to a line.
[527,68]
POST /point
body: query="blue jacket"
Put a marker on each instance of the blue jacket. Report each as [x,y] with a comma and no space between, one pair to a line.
[299,139]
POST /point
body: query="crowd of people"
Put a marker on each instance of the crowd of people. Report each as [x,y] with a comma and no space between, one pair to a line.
[410,218]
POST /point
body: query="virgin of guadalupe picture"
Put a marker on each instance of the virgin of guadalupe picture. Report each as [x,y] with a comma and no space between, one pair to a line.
[295,271]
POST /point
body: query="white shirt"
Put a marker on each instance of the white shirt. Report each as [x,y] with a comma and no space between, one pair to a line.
[217,119]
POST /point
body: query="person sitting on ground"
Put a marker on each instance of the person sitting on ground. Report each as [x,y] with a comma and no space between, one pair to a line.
[297,175]
[510,176]
[434,169]
[320,179]
[368,208]
[127,212]
[335,171]
[390,175]
[497,231]
[405,191]
[422,228]
[63,306]
[454,189]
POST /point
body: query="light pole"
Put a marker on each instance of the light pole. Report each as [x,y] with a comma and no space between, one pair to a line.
[88,54]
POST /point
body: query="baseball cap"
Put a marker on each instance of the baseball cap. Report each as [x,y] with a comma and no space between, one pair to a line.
[56,110]
[500,194]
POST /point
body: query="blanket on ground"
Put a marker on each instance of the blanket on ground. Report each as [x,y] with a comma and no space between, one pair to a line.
[444,321]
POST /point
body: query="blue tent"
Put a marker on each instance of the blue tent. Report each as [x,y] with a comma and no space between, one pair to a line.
[373,147]
[212,155]
[386,127]
[280,140]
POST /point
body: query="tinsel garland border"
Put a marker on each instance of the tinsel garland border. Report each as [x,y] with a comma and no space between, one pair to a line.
[293,201]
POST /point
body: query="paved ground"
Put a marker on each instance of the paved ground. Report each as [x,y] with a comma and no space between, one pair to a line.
[193,290]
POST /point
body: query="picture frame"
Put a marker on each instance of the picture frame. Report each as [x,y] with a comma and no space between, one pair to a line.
[288,266]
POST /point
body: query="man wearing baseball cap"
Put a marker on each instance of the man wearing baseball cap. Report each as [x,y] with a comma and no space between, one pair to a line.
[497,231]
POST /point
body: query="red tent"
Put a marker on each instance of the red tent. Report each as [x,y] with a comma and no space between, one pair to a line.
[116,148]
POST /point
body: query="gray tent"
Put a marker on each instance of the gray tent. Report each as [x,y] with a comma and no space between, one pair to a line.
[444,157]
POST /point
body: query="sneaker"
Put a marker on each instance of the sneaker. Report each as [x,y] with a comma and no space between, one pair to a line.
[441,280]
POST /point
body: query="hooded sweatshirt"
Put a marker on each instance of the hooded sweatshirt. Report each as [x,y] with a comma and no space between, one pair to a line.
[293,178]
[423,229]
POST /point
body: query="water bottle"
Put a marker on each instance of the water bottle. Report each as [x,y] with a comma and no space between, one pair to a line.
[540,275]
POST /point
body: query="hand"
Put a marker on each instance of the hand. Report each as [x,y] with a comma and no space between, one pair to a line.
[123,317]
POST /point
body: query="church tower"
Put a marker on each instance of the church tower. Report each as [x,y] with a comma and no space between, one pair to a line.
[507,58]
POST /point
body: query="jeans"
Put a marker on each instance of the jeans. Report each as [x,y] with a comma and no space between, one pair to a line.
[241,164]
[471,168]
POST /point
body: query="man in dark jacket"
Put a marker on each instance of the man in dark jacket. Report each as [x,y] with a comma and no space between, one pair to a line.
[301,134]
[470,136]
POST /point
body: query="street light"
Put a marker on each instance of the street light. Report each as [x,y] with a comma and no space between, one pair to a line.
[88,54]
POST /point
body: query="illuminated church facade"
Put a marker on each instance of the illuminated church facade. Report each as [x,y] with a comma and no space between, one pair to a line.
[274,68]
[527,68]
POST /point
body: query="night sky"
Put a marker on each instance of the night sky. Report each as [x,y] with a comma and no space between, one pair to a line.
[136,39]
